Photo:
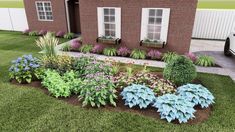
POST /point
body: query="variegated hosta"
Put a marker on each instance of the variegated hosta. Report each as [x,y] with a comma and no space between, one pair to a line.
[151,80]
[197,94]
[172,107]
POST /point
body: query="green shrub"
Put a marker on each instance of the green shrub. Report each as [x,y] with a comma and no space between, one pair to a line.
[169,56]
[48,43]
[110,51]
[138,54]
[69,35]
[87,48]
[33,33]
[66,47]
[204,60]
[81,63]
[180,70]
[25,69]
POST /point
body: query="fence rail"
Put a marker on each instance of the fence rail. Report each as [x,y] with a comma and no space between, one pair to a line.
[13,19]
[213,23]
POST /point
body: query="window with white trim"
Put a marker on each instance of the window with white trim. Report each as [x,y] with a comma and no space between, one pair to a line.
[44,10]
[109,22]
[155,23]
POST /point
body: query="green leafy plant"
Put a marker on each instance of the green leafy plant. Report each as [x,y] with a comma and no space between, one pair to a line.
[66,47]
[172,107]
[81,63]
[138,54]
[97,90]
[87,48]
[25,69]
[69,35]
[48,43]
[204,60]
[180,70]
[197,94]
[33,33]
[138,95]
[169,56]
[110,51]
[59,86]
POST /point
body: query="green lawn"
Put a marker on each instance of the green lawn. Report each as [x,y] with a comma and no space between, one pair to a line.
[29,109]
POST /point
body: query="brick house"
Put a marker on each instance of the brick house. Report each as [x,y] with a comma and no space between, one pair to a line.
[162,24]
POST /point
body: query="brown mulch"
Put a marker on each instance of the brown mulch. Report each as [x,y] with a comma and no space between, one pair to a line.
[201,114]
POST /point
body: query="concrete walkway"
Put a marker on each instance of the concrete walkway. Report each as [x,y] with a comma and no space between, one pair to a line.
[152,63]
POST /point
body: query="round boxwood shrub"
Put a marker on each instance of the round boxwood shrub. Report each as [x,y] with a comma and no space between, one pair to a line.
[180,71]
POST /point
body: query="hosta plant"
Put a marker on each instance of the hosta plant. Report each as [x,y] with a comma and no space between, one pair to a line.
[110,51]
[138,54]
[155,54]
[197,94]
[172,107]
[97,90]
[204,60]
[25,69]
[138,95]
[86,48]
[169,56]
[69,35]
[180,71]
[33,33]
[98,49]
[48,43]
[123,51]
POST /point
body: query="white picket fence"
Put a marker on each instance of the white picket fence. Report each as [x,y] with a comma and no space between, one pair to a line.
[13,19]
[213,23]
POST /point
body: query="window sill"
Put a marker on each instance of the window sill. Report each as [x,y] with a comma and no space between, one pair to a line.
[152,44]
[108,41]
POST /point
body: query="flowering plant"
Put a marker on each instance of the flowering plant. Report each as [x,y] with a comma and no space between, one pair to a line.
[123,51]
[191,56]
[98,49]
[155,55]
[75,44]
[25,69]
[60,34]
[42,32]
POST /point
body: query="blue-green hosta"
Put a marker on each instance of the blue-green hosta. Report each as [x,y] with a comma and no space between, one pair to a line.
[197,94]
[138,95]
[173,107]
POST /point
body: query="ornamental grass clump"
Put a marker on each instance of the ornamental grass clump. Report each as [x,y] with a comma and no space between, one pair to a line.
[154,55]
[138,95]
[69,35]
[197,94]
[86,48]
[110,51]
[124,51]
[169,56]
[206,61]
[172,107]
[48,43]
[138,54]
[180,71]
[33,33]
[25,69]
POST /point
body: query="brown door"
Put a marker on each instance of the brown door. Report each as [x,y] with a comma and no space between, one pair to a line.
[74,16]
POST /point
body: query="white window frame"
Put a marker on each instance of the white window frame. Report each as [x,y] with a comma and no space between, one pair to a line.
[164,24]
[43,5]
[100,21]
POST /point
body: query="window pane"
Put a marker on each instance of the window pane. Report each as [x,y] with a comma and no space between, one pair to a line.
[157,29]
[152,12]
[106,18]
[112,33]
[159,12]
[150,29]
[112,11]
[112,18]
[151,20]
[39,4]
[158,21]
[106,11]
[106,26]
[112,27]
[150,36]
[156,36]
[107,33]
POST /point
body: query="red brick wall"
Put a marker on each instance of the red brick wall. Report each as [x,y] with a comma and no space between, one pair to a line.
[180,28]
[59,22]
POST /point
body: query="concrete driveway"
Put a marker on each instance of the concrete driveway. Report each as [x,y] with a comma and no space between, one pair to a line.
[215,49]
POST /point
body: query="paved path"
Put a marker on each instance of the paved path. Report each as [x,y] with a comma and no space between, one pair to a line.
[212,70]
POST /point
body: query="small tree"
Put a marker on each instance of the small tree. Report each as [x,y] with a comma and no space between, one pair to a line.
[180,71]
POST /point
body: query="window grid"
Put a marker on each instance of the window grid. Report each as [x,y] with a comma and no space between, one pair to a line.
[44,10]
[154,24]
[109,22]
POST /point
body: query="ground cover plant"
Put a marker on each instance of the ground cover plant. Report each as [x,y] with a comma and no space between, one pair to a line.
[30,108]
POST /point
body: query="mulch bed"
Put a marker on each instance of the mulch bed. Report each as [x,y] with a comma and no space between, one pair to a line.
[201,114]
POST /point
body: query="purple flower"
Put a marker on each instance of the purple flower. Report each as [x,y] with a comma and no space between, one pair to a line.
[155,54]
[75,44]
[191,56]
[98,49]
[42,32]
[60,34]
[123,51]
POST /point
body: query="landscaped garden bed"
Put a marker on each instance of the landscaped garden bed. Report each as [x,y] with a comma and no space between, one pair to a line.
[169,95]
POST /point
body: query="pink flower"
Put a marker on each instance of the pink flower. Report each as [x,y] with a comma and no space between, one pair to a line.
[155,54]
[123,51]
[75,44]
[60,34]
[191,56]
[98,49]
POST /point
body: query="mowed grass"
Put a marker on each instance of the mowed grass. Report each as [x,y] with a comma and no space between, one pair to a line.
[12,4]
[29,109]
